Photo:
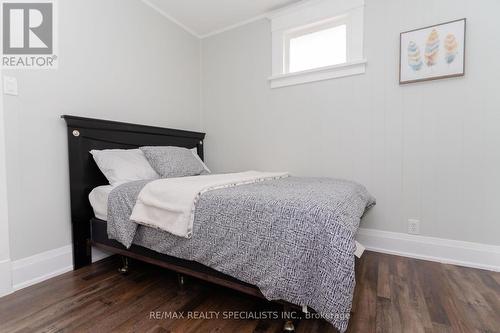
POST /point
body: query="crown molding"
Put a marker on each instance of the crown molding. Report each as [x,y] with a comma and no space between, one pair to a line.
[170,18]
[268,14]
[234,26]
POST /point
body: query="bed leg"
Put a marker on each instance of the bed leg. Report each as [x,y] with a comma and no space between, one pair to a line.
[181,280]
[124,268]
[288,326]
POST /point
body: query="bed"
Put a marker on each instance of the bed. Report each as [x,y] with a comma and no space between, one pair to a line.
[89,226]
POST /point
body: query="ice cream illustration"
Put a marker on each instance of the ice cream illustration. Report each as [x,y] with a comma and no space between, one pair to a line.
[432,48]
[451,47]
[414,58]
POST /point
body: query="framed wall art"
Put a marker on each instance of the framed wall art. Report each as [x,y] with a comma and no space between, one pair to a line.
[434,52]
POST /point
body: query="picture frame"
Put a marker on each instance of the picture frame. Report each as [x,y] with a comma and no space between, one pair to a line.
[433,52]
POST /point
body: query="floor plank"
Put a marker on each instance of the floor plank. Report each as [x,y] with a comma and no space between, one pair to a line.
[393,294]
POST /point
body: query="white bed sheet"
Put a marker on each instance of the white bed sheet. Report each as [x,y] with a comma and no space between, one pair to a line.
[99,201]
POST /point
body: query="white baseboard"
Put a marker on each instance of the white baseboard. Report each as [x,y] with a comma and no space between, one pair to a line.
[40,267]
[442,250]
[43,266]
[5,277]
[98,254]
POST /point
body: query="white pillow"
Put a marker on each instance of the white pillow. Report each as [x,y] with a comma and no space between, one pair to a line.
[123,165]
[195,153]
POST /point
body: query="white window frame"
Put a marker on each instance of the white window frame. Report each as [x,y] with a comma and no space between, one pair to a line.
[310,17]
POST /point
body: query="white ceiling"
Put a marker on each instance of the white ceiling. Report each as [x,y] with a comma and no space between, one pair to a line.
[205,17]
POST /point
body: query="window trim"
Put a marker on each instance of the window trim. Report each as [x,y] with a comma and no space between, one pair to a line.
[318,74]
[315,16]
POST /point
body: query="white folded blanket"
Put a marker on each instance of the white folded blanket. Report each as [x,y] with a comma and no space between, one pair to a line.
[169,204]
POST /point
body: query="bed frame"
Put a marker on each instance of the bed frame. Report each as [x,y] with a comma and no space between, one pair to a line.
[85,134]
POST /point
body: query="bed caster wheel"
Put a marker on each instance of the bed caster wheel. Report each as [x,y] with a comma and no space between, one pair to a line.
[124,268]
[289,327]
[181,280]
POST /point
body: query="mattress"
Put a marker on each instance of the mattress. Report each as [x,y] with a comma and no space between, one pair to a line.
[99,201]
[291,237]
[98,198]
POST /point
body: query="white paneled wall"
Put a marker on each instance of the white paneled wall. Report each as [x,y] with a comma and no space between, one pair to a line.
[119,60]
[427,151]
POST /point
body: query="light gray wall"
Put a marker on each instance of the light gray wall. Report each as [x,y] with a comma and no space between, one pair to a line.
[428,151]
[119,60]
[5,275]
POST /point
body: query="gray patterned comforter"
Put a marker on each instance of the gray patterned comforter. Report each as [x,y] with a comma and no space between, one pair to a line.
[292,237]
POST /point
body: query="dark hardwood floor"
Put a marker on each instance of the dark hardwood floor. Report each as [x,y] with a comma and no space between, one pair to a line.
[393,294]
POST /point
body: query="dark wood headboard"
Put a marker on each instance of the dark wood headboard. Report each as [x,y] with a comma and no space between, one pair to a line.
[85,134]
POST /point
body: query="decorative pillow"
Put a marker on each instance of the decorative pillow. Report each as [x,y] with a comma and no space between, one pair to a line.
[170,161]
[123,165]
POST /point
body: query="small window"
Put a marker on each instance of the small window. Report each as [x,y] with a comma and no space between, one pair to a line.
[320,48]
[317,40]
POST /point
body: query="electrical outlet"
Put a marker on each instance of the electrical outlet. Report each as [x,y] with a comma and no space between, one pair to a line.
[413,227]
